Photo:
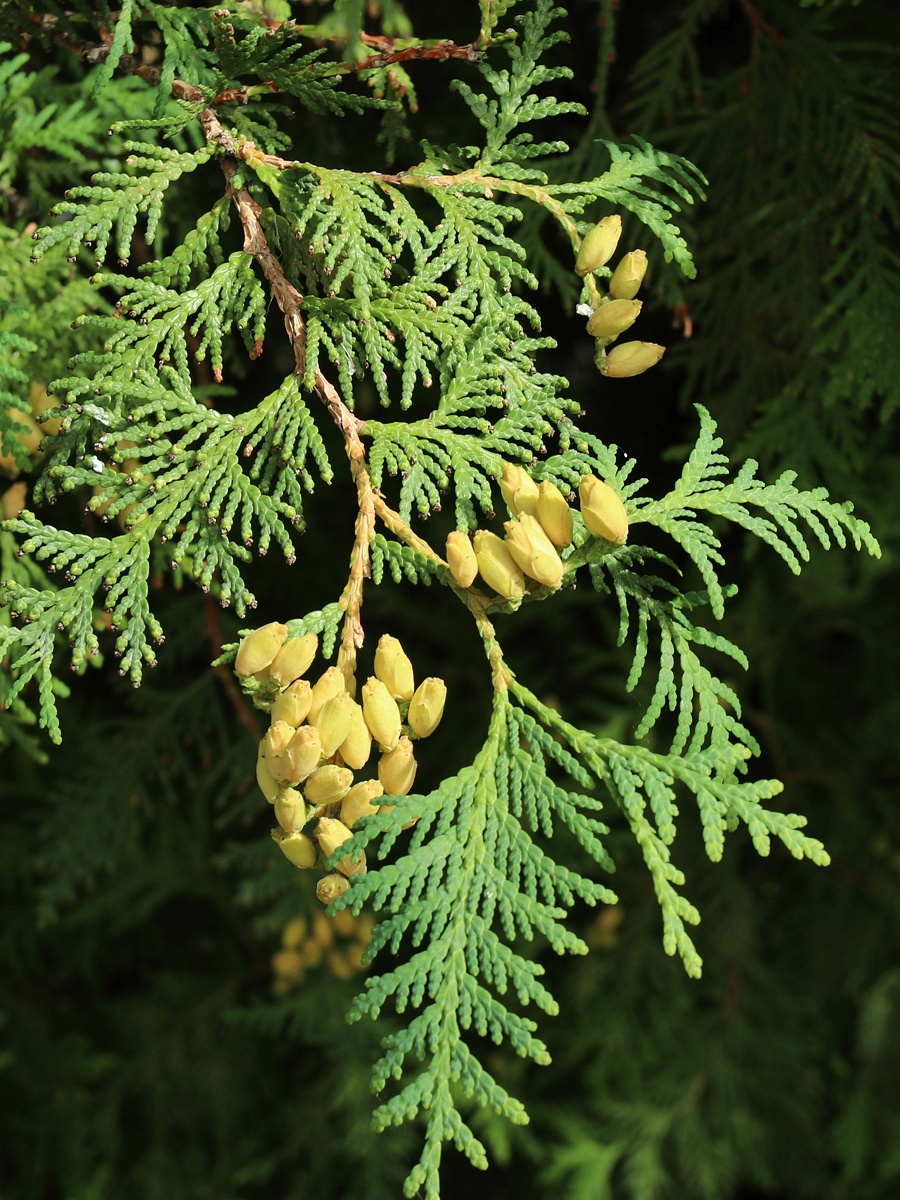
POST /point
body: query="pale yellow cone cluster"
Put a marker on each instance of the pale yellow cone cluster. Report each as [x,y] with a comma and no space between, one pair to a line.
[618,310]
[319,736]
[541,528]
[336,944]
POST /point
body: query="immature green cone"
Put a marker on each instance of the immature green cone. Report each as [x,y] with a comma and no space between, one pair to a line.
[333,722]
[461,558]
[599,245]
[269,785]
[357,745]
[293,704]
[533,551]
[330,683]
[330,887]
[328,785]
[613,318]
[427,706]
[381,713]
[331,835]
[296,848]
[631,358]
[303,754]
[519,490]
[397,769]
[603,510]
[497,566]
[294,659]
[360,801]
[554,514]
[393,668]
[290,810]
[259,648]
[628,276]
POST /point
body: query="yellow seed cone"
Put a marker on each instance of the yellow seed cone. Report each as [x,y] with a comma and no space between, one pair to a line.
[331,886]
[381,713]
[599,245]
[330,683]
[554,514]
[303,754]
[258,649]
[294,659]
[519,490]
[360,801]
[333,722]
[397,769]
[497,566]
[461,558]
[331,835]
[628,276]
[427,706]
[269,785]
[290,810]
[631,358]
[603,510]
[292,706]
[613,318]
[328,785]
[393,668]
[357,745]
[533,551]
[296,848]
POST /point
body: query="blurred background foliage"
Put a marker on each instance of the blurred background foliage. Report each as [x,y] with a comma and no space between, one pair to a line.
[171,1010]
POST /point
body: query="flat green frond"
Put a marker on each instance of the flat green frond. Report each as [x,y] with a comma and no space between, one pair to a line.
[116,199]
[162,321]
[276,55]
[516,103]
[474,881]
[707,709]
[402,562]
[771,512]
[643,784]
[122,40]
[652,184]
